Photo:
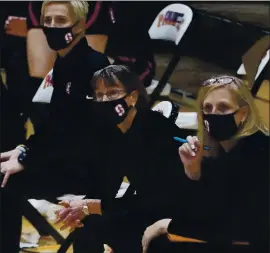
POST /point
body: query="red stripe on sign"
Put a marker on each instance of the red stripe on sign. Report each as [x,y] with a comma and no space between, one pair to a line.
[126,59]
[146,72]
[32,16]
[94,16]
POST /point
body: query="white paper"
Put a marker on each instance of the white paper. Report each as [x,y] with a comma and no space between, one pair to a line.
[28,245]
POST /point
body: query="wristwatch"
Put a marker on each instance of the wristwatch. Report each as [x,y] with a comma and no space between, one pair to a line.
[23,154]
[85,208]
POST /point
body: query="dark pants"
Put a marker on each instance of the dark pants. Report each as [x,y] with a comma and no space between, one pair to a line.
[12,120]
[123,233]
[21,187]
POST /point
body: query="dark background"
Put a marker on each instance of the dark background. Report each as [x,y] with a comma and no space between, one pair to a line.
[208,38]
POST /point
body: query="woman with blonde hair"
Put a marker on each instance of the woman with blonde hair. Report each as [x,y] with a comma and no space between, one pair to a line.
[234,182]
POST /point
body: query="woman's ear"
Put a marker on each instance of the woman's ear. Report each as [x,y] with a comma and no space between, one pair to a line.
[79,28]
[243,113]
[133,98]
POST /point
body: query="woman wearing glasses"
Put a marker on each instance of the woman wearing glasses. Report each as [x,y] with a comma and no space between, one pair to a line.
[138,144]
[235,180]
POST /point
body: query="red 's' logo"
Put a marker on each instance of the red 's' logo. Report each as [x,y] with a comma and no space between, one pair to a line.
[120,110]
[206,124]
[68,38]
[68,88]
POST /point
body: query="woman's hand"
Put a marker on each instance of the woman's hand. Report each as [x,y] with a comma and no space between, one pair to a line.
[157,229]
[9,155]
[191,155]
[71,215]
[10,167]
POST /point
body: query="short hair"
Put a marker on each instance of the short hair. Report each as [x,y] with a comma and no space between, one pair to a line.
[80,8]
[113,74]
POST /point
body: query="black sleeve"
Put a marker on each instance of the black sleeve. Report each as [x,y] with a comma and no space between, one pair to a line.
[38,112]
[254,186]
[101,61]
[165,147]
[34,14]
[215,228]
[42,132]
[107,176]
[111,184]
[39,129]
[257,218]
[100,18]
[168,129]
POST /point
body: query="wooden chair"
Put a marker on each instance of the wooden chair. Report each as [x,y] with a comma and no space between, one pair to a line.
[256,64]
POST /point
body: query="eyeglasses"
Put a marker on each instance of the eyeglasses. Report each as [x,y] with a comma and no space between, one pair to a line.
[220,80]
[111,95]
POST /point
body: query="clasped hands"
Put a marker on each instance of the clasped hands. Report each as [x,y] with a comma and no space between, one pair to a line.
[72,215]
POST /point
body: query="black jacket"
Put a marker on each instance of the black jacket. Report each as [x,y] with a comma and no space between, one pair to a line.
[148,155]
[236,188]
[59,141]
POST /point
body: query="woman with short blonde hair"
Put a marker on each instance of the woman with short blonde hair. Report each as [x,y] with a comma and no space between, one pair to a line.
[80,8]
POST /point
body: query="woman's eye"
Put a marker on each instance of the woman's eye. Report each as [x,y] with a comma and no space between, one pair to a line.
[47,21]
[207,108]
[61,20]
[112,93]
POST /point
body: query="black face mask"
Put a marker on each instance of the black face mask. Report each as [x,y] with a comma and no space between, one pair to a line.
[220,127]
[59,37]
[111,112]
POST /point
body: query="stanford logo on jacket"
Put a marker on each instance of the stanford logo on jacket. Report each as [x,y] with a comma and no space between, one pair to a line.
[120,110]
[68,85]
[68,38]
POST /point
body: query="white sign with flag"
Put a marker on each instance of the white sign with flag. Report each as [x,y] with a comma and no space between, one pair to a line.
[45,90]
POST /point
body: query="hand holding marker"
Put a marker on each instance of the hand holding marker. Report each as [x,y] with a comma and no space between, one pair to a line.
[185,141]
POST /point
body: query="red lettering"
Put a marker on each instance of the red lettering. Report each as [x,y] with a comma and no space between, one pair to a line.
[160,20]
[48,81]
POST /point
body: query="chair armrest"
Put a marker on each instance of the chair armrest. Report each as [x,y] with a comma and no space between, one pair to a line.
[178,238]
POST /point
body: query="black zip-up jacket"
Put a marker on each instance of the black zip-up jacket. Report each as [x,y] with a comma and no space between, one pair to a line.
[236,194]
[59,141]
[148,155]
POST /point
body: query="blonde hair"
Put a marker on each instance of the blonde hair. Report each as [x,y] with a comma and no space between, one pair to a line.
[80,8]
[252,123]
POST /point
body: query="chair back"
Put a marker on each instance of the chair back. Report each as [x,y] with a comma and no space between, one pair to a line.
[171,23]
[184,120]
[264,61]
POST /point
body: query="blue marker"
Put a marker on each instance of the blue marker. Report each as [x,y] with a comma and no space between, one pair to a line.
[185,141]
